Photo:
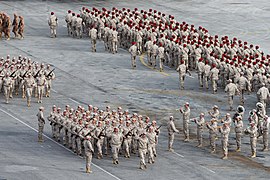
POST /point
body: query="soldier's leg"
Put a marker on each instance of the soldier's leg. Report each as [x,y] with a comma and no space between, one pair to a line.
[28,95]
[230,101]
[170,144]
[213,143]
[40,131]
[79,146]
[99,148]
[6,94]
[186,130]
[150,154]
[161,64]
[265,140]
[238,141]
[64,132]
[206,82]
[199,137]
[69,140]
[126,147]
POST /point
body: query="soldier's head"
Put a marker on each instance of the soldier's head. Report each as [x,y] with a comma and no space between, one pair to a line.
[78,15]
[228,115]
[147,119]
[69,11]
[171,118]
[99,123]
[59,110]
[52,13]
[202,115]
[252,124]
[41,108]
[186,104]
[215,107]
[115,130]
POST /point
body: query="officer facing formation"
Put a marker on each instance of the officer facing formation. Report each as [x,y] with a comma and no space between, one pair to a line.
[53,22]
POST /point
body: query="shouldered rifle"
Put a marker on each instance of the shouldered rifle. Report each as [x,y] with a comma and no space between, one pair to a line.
[36,75]
[12,74]
[50,73]
[101,132]
[157,132]
[129,132]
[105,117]
[89,133]
[24,75]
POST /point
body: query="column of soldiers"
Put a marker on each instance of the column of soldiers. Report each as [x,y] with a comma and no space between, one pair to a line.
[258,126]
[218,60]
[23,75]
[99,131]
[6,26]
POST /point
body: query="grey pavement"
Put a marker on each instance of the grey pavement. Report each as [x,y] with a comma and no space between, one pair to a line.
[103,79]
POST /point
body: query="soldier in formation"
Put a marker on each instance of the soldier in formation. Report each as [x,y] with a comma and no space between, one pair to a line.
[26,76]
[118,131]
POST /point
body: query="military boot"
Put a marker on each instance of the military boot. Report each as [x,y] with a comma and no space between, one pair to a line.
[28,103]
[253,155]
[225,156]
[238,149]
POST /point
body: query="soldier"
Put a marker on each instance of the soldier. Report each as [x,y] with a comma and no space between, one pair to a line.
[161,56]
[100,134]
[171,131]
[133,52]
[200,67]
[238,123]
[225,131]
[29,83]
[53,24]
[15,25]
[186,114]
[261,114]
[143,143]
[231,90]
[49,76]
[73,25]
[265,130]
[7,26]
[21,27]
[206,73]
[154,53]
[89,151]
[215,113]
[151,135]
[127,132]
[252,130]
[51,118]
[40,86]
[93,37]
[41,123]
[116,141]
[182,69]
[200,124]
[263,95]
[214,77]
[243,85]
[7,83]
[213,128]
[68,21]
[78,23]
[114,40]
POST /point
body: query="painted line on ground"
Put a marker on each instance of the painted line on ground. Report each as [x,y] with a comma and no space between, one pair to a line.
[178,154]
[74,100]
[56,142]
[54,90]
[142,61]
[208,169]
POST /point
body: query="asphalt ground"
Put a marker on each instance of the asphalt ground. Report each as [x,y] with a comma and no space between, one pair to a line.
[103,79]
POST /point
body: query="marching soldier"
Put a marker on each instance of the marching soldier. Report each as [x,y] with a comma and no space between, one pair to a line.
[41,80]
[171,131]
[53,24]
[51,118]
[231,90]
[214,77]
[7,83]
[49,76]
[151,135]
[78,23]
[93,37]
[133,52]
[21,27]
[68,21]
[116,141]
[263,95]
[182,69]
[15,25]
[29,83]
[41,123]
[161,56]
[143,143]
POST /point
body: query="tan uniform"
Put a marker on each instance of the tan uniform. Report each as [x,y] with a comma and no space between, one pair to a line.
[78,23]
[143,143]
[225,131]
[214,78]
[186,115]
[200,124]
[68,21]
[41,123]
[93,37]
[116,141]
[265,129]
[29,84]
[7,83]
[171,131]
[182,69]
[53,24]
[263,95]
[206,73]
[253,139]
[40,87]
[238,133]
[212,134]
[133,52]
[231,90]
[151,146]
[89,151]
[161,57]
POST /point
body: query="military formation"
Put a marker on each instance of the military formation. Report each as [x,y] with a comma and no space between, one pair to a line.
[220,62]
[258,126]
[94,132]
[6,25]
[22,75]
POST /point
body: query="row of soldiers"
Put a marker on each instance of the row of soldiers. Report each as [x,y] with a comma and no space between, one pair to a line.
[6,25]
[179,45]
[94,130]
[258,125]
[23,74]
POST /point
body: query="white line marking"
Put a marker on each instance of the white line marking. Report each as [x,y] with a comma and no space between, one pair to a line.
[74,100]
[190,76]
[178,154]
[54,90]
[208,169]
[56,142]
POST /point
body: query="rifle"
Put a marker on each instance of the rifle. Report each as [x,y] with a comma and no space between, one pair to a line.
[158,129]
[24,75]
[50,73]
[89,132]
[105,117]
[129,132]
[36,75]
[100,134]
[13,74]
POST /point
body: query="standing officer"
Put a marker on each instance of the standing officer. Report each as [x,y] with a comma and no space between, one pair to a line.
[225,131]
[53,24]
[171,130]
[252,130]
[186,114]
[41,123]
[89,151]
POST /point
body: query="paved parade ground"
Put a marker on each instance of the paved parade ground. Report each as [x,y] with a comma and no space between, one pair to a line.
[103,79]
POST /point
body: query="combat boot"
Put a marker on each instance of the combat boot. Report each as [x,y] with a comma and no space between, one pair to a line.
[99,156]
[238,149]
[213,151]
[88,170]
[224,157]
[253,155]
[265,149]
[199,145]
